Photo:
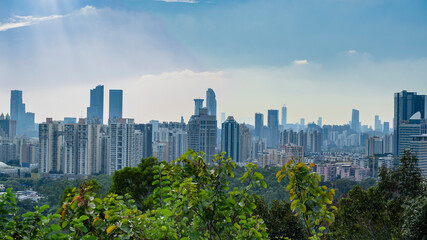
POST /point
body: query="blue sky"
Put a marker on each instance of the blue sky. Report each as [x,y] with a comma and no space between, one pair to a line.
[319,57]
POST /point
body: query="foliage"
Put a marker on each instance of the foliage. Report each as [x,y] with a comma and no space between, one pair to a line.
[31,225]
[136,181]
[385,211]
[363,215]
[309,200]
[415,215]
[405,181]
[195,199]
[279,219]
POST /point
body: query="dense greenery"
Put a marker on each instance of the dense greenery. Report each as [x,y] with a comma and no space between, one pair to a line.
[190,199]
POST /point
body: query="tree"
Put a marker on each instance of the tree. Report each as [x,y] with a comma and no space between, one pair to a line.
[380,212]
[309,200]
[136,181]
[414,218]
[279,219]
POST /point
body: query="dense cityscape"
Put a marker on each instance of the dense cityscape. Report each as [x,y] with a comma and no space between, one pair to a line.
[74,148]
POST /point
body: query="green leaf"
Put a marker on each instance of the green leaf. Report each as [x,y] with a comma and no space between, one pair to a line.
[55,227]
[237,226]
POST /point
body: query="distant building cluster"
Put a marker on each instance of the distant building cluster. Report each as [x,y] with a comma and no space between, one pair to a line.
[75,147]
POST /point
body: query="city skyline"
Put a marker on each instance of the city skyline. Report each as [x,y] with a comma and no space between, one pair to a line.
[317,66]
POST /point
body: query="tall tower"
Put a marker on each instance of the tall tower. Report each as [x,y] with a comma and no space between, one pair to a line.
[230,138]
[17,110]
[95,113]
[198,103]
[284,116]
[355,120]
[273,126]
[406,104]
[116,103]
[259,124]
[211,102]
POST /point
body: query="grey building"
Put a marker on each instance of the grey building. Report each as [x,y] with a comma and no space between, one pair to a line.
[259,124]
[7,127]
[147,139]
[115,104]
[407,129]
[24,120]
[355,124]
[198,103]
[201,136]
[284,116]
[95,112]
[419,148]
[406,104]
[273,126]
[230,139]
[211,102]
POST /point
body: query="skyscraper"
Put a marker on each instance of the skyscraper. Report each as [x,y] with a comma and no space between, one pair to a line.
[419,148]
[201,134]
[386,129]
[406,104]
[378,125]
[7,127]
[355,124]
[211,102]
[122,147]
[198,103]
[245,143]
[273,126]
[116,103]
[147,139]
[259,124]
[95,113]
[230,138]
[24,120]
[319,121]
[284,116]
[408,129]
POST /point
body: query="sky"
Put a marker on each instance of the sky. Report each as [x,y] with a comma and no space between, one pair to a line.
[321,58]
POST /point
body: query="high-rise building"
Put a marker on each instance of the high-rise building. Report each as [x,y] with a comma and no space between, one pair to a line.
[319,122]
[378,125]
[7,127]
[259,124]
[24,120]
[198,103]
[386,129]
[355,124]
[418,146]
[284,116]
[374,146]
[146,131]
[116,103]
[51,141]
[122,148]
[17,110]
[315,141]
[230,139]
[406,104]
[388,143]
[408,129]
[201,134]
[95,113]
[211,102]
[245,143]
[73,149]
[273,126]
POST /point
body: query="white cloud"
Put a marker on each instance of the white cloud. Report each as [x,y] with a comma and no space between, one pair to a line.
[178,1]
[301,62]
[23,21]
[352,51]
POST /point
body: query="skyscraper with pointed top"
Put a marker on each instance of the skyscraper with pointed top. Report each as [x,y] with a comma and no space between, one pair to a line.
[211,102]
